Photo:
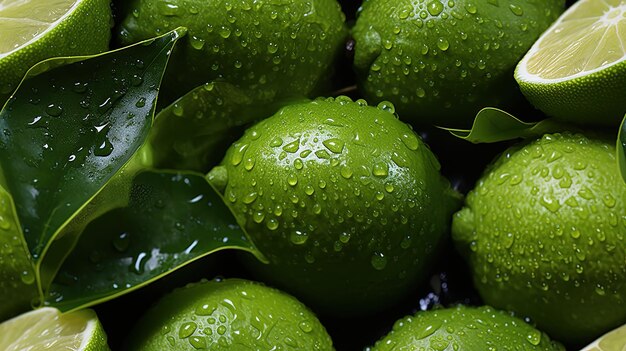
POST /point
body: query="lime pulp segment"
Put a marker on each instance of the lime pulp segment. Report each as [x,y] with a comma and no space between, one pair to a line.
[24,21]
[48,329]
[590,36]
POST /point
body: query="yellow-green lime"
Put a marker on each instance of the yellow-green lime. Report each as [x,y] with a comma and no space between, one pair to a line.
[344,199]
[576,71]
[441,61]
[228,314]
[270,48]
[49,329]
[545,234]
[465,328]
[34,30]
[614,340]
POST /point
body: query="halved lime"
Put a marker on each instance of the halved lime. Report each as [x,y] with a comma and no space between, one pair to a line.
[34,30]
[48,329]
[576,71]
[612,341]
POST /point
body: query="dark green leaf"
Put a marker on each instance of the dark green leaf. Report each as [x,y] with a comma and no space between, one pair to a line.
[193,132]
[172,219]
[493,125]
[69,130]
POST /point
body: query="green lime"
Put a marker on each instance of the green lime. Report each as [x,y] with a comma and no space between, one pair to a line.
[345,201]
[48,329]
[465,328]
[273,48]
[441,61]
[33,31]
[230,314]
[544,231]
[614,340]
[576,71]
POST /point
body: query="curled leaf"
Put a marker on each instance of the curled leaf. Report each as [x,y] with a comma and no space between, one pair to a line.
[493,125]
[172,219]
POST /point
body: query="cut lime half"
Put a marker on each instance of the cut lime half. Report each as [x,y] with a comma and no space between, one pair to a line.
[49,329]
[34,30]
[612,341]
[576,71]
[22,22]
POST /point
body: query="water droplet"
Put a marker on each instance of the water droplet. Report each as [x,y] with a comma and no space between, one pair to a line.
[428,329]
[224,32]
[27,277]
[250,197]
[292,147]
[410,141]
[346,172]
[272,224]
[298,237]
[187,329]
[435,8]
[141,102]
[198,342]
[381,169]
[550,203]
[334,145]
[205,310]
[238,154]
[292,179]
[306,326]
[534,337]
[470,8]
[387,106]
[272,48]
[196,42]
[121,242]
[443,44]
[249,164]
[54,110]
[516,9]
[104,149]
[298,164]
[379,261]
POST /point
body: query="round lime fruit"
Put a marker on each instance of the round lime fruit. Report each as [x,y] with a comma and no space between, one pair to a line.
[344,199]
[465,328]
[544,231]
[228,314]
[272,48]
[441,61]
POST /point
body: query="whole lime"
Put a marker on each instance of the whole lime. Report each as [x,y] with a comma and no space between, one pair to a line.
[344,199]
[228,314]
[442,61]
[273,48]
[33,31]
[465,328]
[544,232]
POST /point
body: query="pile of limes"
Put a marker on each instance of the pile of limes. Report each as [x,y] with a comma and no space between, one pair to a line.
[343,194]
